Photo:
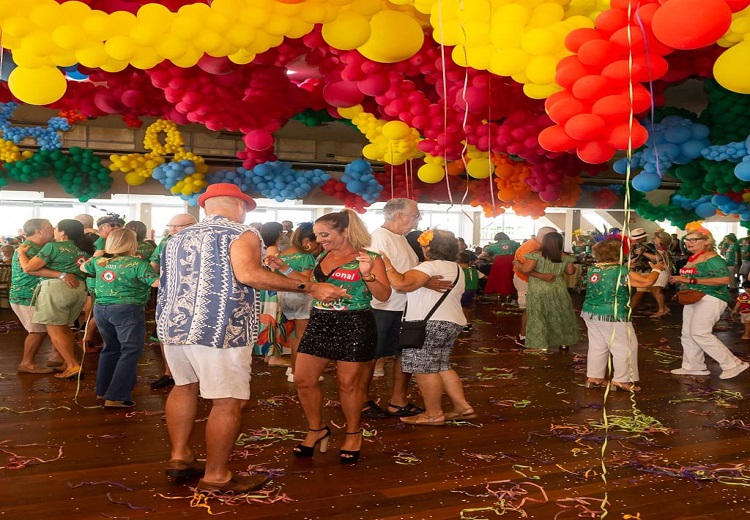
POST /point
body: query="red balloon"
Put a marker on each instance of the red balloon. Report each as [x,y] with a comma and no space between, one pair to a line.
[737,5]
[595,152]
[342,94]
[570,71]
[691,24]
[578,37]
[564,109]
[612,20]
[612,107]
[585,127]
[598,53]
[554,139]
[621,136]
[591,87]
[374,85]
[217,66]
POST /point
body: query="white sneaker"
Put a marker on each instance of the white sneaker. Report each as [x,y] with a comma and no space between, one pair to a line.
[290,376]
[378,372]
[734,371]
[688,372]
[288,371]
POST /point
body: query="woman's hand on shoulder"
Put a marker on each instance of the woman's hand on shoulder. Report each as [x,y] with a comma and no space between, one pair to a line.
[365,263]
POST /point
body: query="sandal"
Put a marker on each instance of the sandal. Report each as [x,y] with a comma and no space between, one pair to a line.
[625,387]
[70,373]
[592,382]
[408,410]
[373,411]
[425,420]
[460,416]
[235,484]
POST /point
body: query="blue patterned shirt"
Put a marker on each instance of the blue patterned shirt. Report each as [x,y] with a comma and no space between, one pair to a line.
[200,301]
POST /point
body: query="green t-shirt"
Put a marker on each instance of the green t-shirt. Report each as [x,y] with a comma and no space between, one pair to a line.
[156,255]
[22,285]
[502,248]
[100,244]
[124,280]
[348,277]
[63,256]
[299,261]
[715,267]
[145,250]
[471,278]
[604,296]
[745,252]
[730,252]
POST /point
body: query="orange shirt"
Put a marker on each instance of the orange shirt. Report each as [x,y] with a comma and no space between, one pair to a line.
[527,247]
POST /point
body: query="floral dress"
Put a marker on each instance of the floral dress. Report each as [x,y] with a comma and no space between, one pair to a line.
[551,320]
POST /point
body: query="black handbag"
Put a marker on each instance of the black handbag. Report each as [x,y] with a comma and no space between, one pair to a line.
[413,332]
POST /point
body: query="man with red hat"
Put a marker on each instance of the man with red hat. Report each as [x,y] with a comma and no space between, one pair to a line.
[207,318]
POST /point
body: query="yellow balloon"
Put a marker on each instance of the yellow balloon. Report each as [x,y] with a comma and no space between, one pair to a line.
[395,130]
[17,27]
[478,58]
[46,15]
[372,152]
[505,35]
[431,173]
[508,62]
[546,14]
[479,168]
[541,69]
[92,56]
[69,37]
[120,48]
[395,37]
[730,70]
[185,27]
[347,32]
[40,86]
[95,26]
[540,42]
[134,179]
[146,34]
[366,7]
[513,14]
[153,13]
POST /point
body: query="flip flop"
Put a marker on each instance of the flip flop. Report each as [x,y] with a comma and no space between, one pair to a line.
[34,369]
[408,410]
[423,420]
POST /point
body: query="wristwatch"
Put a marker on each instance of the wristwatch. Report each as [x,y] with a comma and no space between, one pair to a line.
[302,286]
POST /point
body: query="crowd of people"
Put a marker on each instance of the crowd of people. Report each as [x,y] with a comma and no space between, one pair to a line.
[331,291]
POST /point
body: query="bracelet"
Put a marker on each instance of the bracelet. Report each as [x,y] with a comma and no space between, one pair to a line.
[288,272]
[389,269]
[656,271]
[693,281]
[370,278]
[62,276]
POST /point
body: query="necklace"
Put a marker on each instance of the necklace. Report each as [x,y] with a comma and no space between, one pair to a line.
[344,255]
[696,256]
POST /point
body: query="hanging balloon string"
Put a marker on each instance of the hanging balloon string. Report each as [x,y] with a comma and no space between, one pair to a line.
[652,124]
[444,63]
[491,178]
[464,123]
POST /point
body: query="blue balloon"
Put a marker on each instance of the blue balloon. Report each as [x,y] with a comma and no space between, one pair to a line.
[705,210]
[8,65]
[646,182]
[742,171]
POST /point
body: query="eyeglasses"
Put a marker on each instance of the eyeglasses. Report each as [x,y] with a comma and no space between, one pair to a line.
[177,226]
[113,225]
[691,240]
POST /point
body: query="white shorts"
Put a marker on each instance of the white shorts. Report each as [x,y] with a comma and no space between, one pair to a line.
[25,313]
[220,372]
[662,280]
[744,317]
[522,287]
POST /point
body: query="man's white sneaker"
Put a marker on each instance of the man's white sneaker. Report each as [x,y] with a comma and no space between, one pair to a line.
[688,372]
[734,371]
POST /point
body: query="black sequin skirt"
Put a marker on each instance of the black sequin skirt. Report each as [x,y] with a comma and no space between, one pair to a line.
[340,335]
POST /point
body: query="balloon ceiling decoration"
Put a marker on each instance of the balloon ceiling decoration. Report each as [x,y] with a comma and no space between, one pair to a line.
[507,102]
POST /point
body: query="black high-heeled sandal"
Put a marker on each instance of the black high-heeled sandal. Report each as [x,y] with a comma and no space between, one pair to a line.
[350,456]
[300,450]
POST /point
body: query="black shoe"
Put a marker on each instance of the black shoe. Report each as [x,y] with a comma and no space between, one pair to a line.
[373,411]
[163,382]
[302,451]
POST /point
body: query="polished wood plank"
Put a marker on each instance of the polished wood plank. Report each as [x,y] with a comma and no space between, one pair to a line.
[516,443]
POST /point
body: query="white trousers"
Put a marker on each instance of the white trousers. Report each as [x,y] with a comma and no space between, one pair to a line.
[698,340]
[618,339]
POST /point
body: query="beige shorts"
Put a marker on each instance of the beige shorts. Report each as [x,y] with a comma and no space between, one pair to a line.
[522,287]
[220,372]
[744,317]
[57,303]
[25,313]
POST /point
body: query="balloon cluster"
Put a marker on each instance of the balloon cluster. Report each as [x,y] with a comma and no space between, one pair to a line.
[46,137]
[337,189]
[730,206]
[674,140]
[278,181]
[701,206]
[179,177]
[80,172]
[742,170]
[359,179]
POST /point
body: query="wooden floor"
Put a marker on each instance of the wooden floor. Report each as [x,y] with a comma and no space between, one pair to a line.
[535,450]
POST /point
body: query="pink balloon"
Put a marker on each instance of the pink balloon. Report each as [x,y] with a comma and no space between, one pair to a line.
[374,85]
[217,66]
[258,140]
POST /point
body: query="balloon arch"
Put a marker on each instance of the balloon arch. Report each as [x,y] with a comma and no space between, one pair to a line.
[508,102]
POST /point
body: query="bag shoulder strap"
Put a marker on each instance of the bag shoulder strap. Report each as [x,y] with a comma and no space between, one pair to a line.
[437,304]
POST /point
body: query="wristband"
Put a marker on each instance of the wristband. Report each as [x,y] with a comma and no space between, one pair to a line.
[389,269]
[288,272]
[370,278]
[62,276]
[693,281]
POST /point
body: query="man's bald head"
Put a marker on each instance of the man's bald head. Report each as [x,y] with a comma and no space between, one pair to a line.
[182,219]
